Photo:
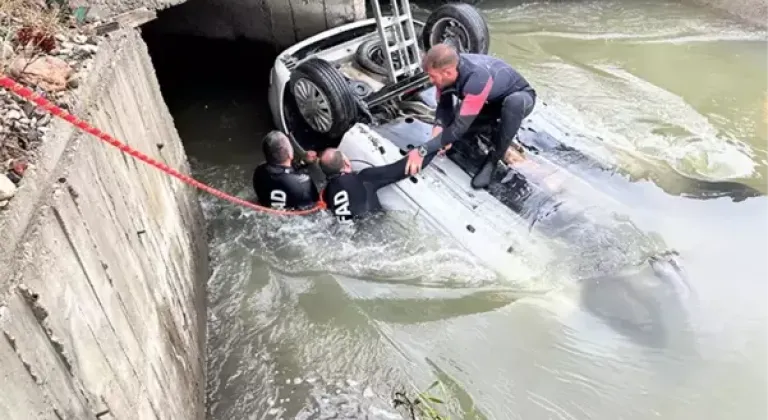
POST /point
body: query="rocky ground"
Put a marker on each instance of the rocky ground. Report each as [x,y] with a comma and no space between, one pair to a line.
[52,61]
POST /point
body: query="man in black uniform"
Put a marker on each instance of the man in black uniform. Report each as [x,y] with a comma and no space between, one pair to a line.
[349,194]
[489,88]
[277,183]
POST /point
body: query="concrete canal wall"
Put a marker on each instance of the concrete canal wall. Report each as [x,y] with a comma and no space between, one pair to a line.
[103,262]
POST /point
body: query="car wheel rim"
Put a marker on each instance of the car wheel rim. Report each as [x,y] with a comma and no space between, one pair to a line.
[450,31]
[313,105]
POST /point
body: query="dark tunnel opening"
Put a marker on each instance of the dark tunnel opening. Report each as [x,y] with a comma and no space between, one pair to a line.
[215,89]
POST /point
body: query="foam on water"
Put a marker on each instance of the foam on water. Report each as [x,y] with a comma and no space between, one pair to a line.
[603,75]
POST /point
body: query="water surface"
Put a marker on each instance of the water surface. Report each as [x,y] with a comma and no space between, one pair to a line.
[310,321]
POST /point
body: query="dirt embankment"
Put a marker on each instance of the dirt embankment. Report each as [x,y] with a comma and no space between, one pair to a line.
[48,48]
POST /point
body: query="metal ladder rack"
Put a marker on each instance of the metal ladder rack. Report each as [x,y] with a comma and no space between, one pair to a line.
[406,46]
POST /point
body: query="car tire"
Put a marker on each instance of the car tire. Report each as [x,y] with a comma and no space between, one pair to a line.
[323,97]
[465,21]
[364,56]
[369,56]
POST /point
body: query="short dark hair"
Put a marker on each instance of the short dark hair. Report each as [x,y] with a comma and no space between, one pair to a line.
[440,56]
[276,147]
[332,161]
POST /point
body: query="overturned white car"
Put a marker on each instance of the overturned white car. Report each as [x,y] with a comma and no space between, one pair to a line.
[344,88]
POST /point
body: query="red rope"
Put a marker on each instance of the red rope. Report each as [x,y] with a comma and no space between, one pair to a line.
[29,95]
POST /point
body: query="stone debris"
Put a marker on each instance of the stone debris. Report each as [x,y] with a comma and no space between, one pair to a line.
[6,51]
[49,73]
[7,188]
[55,74]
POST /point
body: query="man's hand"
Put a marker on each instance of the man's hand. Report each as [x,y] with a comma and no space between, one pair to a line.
[311,156]
[413,166]
[442,151]
[512,156]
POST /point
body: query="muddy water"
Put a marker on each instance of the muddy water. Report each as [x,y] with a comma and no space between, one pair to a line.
[308,321]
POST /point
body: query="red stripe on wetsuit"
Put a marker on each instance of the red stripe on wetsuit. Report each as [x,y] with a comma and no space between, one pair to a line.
[470,107]
[473,103]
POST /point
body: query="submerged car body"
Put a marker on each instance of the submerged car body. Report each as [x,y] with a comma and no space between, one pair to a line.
[495,225]
[440,194]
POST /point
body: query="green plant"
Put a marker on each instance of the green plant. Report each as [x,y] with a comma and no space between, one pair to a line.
[421,406]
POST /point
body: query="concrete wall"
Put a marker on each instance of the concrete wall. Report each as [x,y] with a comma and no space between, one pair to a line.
[279,22]
[103,263]
[106,8]
[751,11]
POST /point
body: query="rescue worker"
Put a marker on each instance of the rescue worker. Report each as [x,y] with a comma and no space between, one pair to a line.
[277,183]
[353,194]
[488,88]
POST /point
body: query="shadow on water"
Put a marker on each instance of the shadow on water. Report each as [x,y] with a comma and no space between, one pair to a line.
[648,305]
[222,84]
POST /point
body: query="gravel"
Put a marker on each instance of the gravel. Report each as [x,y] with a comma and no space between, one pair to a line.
[23,127]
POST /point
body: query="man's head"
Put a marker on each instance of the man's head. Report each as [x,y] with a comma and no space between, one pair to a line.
[440,63]
[277,148]
[333,162]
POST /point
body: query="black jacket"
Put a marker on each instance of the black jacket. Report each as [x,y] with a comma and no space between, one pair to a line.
[281,187]
[355,194]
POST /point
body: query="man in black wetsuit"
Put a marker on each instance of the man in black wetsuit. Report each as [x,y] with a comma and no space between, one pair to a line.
[488,88]
[351,195]
[277,183]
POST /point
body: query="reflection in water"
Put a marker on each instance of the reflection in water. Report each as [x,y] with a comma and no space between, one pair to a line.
[310,321]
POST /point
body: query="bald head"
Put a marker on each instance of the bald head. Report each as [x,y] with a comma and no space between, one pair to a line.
[439,57]
[332,161]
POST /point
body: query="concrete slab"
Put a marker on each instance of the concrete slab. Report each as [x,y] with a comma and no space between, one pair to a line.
[33,347]
[21,398]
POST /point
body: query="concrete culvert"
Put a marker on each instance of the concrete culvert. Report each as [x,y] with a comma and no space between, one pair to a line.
[216,92]
[280,23]
[223,50]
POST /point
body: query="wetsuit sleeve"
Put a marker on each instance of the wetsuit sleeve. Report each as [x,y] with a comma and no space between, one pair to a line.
[313,195]
[380,176]
[475,93]
[444,110]
[306,192]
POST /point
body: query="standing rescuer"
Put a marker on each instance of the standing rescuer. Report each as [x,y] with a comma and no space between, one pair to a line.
[277,183]
[488,88]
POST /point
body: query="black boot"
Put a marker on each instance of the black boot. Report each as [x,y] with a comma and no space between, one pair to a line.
[483,177]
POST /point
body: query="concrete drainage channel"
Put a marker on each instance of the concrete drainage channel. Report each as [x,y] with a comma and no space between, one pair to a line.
[103,259]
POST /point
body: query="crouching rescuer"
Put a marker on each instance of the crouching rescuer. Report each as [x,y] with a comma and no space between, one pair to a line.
[490,91]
